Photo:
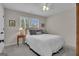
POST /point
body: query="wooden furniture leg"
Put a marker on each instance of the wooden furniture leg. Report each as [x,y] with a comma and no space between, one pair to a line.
[18,41]
[23,40]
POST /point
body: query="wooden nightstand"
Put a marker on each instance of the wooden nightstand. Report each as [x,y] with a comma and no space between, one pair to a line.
[23,39]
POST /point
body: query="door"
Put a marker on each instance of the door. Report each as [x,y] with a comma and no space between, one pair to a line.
[77,32]
[1,28]
[1,33]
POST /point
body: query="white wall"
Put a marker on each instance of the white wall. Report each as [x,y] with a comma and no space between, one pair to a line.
[11,32]
[1,10]
[64,24]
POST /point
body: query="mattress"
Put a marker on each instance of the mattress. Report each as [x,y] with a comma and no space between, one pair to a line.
[45,44]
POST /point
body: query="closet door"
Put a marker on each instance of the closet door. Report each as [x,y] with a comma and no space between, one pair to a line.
[1,28]
[77,32]
[1,22]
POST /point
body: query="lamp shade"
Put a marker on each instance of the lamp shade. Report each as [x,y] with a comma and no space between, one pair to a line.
[21,31]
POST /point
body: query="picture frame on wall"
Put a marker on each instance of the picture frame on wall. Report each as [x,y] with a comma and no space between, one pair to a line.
[12,23]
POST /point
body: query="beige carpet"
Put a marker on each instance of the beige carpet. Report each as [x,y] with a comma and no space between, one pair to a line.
[23,50]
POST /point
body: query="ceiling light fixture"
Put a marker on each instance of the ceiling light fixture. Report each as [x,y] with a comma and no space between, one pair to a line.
[45,7]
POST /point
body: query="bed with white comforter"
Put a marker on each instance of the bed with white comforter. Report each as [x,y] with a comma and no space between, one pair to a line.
[45,44]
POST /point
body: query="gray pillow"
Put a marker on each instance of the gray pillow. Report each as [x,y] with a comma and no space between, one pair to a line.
[32,32]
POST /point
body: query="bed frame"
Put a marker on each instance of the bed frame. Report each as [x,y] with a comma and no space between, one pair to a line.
[40,55]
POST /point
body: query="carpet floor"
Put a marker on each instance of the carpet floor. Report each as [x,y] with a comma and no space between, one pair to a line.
[23,50]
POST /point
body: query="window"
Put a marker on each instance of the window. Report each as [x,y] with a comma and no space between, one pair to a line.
[29,23]
[34,23]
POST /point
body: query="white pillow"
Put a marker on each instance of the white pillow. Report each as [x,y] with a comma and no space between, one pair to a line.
[38,33]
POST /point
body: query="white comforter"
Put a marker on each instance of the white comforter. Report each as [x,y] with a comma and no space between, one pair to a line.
[45,44]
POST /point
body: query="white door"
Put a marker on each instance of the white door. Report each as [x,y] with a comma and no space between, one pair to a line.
[1,28]
[1,34]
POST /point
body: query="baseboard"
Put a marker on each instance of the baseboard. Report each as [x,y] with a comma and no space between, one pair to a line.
[72,47]
[10,44]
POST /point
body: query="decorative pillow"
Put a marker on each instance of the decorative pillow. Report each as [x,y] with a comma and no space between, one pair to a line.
[44,32]
[32,32]
[38,33]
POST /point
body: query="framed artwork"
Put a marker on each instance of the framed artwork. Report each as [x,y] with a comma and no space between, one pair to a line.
[12,23]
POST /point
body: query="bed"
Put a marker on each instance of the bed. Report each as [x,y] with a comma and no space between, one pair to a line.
[45,44]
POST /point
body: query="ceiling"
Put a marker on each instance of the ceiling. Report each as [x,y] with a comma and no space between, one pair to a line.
[36,8]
